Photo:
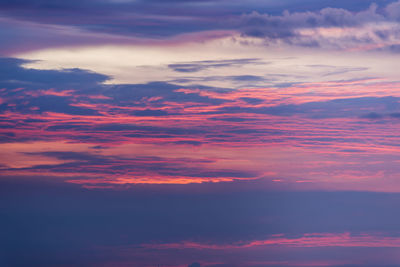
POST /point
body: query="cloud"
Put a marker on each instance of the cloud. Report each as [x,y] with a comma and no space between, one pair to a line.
[341,26]
[150,112]
[393,10]
[264,25]
[97,22]
[77,92]
[372,116]
[209,64]
[336,108]
[188,142]
[115,169]
[225,134]
[333,28]
[38,91]
[156,92]
[12,76]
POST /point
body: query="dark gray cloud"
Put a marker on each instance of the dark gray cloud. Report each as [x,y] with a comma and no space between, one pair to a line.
[264,25]
[36,91]
[189,142]
[233,119]
[289,27]
[131,93]
[111,165]
[23,88]
[252,100]
[365,107]
[372,116]
[150,112]
[12,76]
[25,24]
[239,81]
[145,128]
[196,66]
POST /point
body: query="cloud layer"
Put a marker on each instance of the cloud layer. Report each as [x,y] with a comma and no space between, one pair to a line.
[361,26]
[69,124]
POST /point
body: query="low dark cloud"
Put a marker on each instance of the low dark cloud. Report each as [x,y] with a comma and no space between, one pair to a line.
[63,91]
[150,112]
[196,66]
[232,119]
[54,104]
[109,166]
[188,142]
[148,129]
[129,94]
[252,100]
[12,76]
[336,108]
[372,116]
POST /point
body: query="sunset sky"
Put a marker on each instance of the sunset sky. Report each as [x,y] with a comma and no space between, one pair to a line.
[200,133]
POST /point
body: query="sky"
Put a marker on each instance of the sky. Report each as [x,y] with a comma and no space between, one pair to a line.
[199,133]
